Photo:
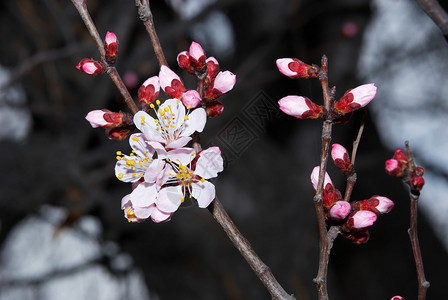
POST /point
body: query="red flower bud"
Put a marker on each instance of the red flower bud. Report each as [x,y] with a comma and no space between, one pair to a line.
[222,84]
[395,167]
[417,183]
[214,109]
[355,98]
[118,133]
[91,67]
[361,219]
[358,236]
[111,47]
[149,91]
[294,68]
[400,155]
[300,107]
[183,60]
[376,204]
[212,68]
[197,57]
[341,158]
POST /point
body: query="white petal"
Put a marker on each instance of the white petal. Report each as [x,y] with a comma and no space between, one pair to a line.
[169,199]
[146,124]
[125,173]
[125,200]
[140,145]
[180,142]
[182,155]
[144,195]
[196,122]
[154,170]
[203,192]
[209,164]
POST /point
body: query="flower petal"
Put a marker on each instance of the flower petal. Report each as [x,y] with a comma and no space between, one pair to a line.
[209,164]
[124,172]
[179,143]
[140,145]
[159,216]
[144,212]
[169,199]
[195,122]
[144,195]
[182,155]
[154,170]
[146,124]
[203,192]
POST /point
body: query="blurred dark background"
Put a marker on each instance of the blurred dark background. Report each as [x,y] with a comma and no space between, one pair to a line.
[265,186]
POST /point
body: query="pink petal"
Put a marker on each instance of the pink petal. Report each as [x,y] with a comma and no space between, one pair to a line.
[169,199]
[338,151]
[159,216]
[363,219]
[385,204]
[224,81]
[96,118]
[146,124]
[293,105]
[191,99]
[196,51]
[110,38]
[364,94]
[144,212]
[340,210]
[179,143]
[182,156]
[154,170]
[283,66]
[154,81]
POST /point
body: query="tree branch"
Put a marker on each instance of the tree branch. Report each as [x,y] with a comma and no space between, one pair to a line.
[433,9]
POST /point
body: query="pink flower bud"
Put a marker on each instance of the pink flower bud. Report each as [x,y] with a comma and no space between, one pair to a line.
[361,219]
[300,107]
[222,84]
[197,56]
[214,108]
[397,298]
[330,195]
[104,118]
[191,99]
[96,118]
[149,91]
[341,158]
[376,204]
[419,171]
[91,67]
[356,98]
[171,83]
[183,60]
[340,210]
[212,67]
[395,167]
[111,47]
[315,178]
[294,68]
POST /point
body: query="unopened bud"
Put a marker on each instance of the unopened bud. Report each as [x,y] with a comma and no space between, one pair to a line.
[330,195]
[212,68]
[315,178]
[149,91]
[300,107]
[171,83]
[222,84]
[417,183]
[376,204]
[395,167]
[400,155]
[397,298]
[111,47]
[340,210]
[294,68]
[358,236]
[183,60]
[118,133]
[355,98]
[91,67]
[197,56]
[191,99]
[214,108]
[341,158]
[361,219]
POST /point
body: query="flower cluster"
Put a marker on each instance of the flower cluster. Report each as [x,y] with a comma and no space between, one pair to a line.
[402,166]
[352,217]
[303,108]
[162,169]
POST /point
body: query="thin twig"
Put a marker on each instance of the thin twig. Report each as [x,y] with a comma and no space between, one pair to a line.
[145,14]
[351,179]
[412,231]
[82,9]
[325,243]
[433,9]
